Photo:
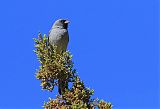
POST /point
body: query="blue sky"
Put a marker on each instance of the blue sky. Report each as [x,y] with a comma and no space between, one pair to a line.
[114,44]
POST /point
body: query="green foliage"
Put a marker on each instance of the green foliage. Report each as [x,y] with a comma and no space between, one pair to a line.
[59,67]
[54,66]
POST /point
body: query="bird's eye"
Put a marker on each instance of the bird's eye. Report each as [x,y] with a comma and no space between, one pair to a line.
[63,21]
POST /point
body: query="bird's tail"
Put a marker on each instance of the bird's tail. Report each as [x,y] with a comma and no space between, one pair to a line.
[62,85]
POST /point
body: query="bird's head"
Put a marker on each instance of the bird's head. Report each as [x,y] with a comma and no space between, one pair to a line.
[61,23]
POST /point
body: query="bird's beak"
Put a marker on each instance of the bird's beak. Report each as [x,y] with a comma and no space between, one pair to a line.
[66,22]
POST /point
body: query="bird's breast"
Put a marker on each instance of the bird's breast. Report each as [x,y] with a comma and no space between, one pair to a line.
[59,37]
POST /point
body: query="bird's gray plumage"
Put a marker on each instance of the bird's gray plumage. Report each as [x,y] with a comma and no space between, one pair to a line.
[58,36]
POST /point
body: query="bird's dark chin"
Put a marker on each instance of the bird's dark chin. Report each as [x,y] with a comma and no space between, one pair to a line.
[65,26]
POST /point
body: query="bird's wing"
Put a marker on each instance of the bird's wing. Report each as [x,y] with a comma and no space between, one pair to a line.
[49,35]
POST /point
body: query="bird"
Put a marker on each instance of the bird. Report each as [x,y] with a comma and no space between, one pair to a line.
[59,37]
